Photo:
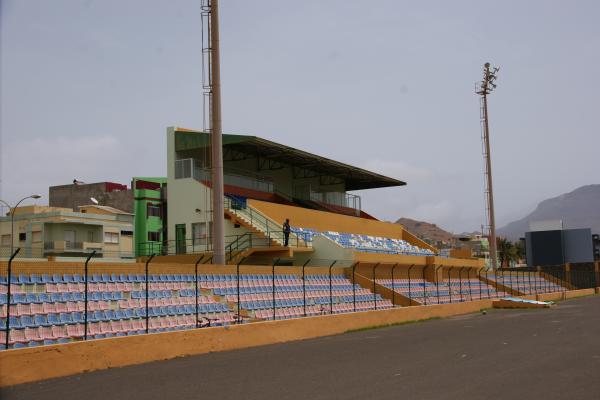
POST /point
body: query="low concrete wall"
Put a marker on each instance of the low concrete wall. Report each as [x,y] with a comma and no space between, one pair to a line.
[45,362]
[579,293]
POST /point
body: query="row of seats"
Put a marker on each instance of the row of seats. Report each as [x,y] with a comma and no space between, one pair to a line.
[256,296]
[48,307]
[527,284]
[425,292]
[54,304]
[364,243]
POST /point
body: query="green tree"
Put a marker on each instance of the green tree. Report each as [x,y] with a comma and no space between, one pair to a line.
[519,249]
[506,251]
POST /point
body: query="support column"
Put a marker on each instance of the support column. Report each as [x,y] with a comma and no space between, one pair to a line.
[217,141]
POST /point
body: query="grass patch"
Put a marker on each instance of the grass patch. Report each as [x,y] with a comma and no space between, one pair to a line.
[368,328]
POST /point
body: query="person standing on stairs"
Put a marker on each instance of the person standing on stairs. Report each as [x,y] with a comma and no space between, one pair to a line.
[286,231]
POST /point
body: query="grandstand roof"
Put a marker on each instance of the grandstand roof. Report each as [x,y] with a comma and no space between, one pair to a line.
[355,178]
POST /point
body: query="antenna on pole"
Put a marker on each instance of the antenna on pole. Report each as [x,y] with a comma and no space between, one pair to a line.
[211,72]
[483,88]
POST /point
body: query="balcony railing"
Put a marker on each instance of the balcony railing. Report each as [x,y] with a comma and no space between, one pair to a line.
[336,199]
[62,245]
[192,168]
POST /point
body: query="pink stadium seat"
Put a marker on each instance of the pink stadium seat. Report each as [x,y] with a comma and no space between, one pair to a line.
[23,309]
[45,333]
[105,327]
[16,288]
[49,308]
[117,326]
[138,324]
[37,308]
[16,336]
[62,287]
[94,328]
[51,288]
[61,307]
[190,320]
[75,331]
[127,325]
[59,331]
[172,322]
[32,334]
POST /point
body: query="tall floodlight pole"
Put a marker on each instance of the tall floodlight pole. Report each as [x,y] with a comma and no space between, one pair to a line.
[217,141]
[483,88]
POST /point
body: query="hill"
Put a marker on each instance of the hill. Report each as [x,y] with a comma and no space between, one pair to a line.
[577,209]
[425,230]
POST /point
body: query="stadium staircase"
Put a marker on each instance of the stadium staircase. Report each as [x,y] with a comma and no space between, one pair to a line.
[264,232]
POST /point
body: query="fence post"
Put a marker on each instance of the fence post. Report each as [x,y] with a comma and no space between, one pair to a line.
[479,277]
[331,288]
[196,294]
[304,286]
[354,285]
[450,284]
[424,288]
[393,287]
[9,273]
[529,277]
[460,283]
[437,283]
[409,284]
[273,282]
[238,318]
[85,294]
[374,285]
[147,290]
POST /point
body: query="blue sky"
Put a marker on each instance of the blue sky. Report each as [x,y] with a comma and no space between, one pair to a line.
[89,87]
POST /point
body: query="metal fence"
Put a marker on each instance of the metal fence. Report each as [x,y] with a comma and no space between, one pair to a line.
[45,304]
[234,244]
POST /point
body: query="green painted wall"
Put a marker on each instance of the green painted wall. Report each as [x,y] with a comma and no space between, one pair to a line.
[144,223]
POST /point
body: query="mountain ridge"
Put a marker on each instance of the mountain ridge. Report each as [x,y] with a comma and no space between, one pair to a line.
[579,208]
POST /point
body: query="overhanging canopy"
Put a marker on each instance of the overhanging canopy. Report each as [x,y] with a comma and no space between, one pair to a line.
[253,146]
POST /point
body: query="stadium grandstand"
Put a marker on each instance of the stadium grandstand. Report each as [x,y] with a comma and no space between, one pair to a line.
[265,184]
[339,258]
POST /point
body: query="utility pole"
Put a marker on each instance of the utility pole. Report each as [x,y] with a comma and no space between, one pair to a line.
[217,140]
[483,88]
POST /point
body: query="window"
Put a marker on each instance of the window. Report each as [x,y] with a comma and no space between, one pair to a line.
[153,210]
[5,241]
[90,236]
[36,236]
[22,237]
[111,237]
[126,233]
[154,236]
[199,233]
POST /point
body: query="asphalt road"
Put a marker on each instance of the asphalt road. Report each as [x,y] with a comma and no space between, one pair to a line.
[530,354]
